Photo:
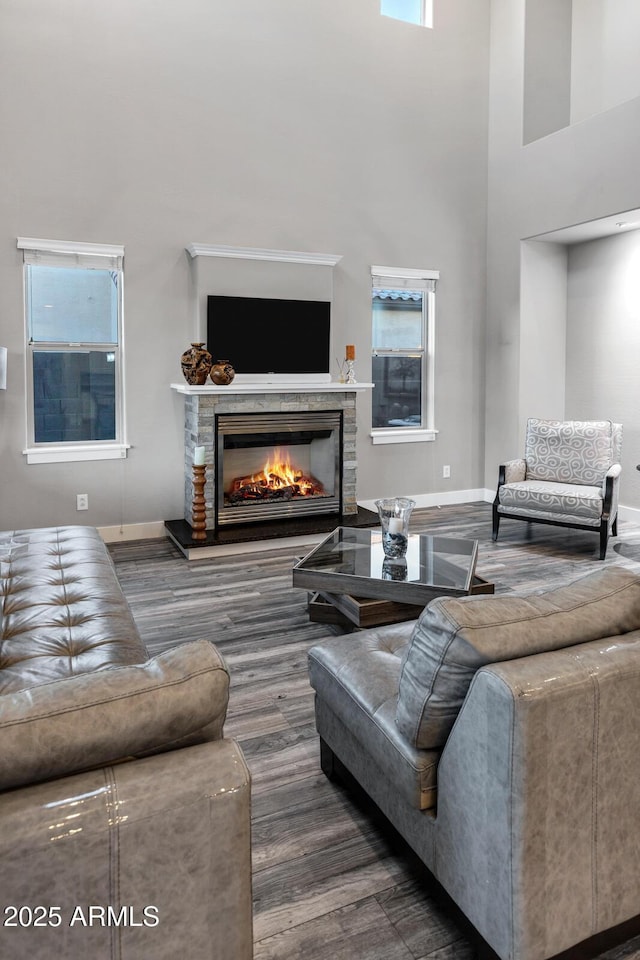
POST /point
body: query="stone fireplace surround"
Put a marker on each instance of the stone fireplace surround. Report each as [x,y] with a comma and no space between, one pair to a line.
[201,404]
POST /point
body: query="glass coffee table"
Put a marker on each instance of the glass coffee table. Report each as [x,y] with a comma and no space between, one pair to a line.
[352,582]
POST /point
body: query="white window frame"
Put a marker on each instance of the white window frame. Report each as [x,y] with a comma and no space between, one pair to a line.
[426,15]
[425,280]
[74,254]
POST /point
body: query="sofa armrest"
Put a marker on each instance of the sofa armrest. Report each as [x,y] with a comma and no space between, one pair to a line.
[164,842]
[536,798]
[64,726]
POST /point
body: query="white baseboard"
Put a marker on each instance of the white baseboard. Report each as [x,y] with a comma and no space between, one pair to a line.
[441,499]
[629,513]
[133,531]
[156,528]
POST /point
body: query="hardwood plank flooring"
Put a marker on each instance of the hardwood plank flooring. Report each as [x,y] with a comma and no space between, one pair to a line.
[330,882]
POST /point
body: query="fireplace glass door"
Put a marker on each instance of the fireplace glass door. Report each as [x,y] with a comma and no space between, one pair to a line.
[277,465]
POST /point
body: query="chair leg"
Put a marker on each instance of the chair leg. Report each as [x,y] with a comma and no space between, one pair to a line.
[614,527]
[496,523]
[604,537]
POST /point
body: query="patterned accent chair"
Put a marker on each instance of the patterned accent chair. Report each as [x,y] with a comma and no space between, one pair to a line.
[569,477]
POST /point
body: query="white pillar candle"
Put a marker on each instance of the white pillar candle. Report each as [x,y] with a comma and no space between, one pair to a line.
[198,457]
[395,525]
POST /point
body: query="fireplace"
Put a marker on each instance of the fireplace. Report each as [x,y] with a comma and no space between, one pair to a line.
[277,465]
[320,418]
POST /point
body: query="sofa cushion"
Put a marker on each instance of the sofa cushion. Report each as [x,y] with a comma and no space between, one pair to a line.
[63,612]
[455,636]
[356,678]
[569,451]
[72,724]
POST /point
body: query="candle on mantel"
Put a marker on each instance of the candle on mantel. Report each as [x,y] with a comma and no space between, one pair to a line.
[198,457]
[395,525]
[350,352]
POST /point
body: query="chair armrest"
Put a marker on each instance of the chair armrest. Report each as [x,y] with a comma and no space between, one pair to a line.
[512,471]
[533,779]
[515,470]
[610,490]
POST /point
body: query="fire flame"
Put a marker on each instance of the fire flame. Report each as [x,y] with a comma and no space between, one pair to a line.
[278,473]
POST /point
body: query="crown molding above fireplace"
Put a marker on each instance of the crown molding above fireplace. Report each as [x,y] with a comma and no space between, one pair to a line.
[258,253]
[290,386]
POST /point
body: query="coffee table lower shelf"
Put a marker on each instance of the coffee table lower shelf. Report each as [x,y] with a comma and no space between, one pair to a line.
[347,611]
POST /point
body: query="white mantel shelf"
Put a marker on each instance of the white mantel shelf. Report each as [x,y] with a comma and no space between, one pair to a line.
[289,387]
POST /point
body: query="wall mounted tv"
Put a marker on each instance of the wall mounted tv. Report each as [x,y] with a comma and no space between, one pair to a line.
[268,339]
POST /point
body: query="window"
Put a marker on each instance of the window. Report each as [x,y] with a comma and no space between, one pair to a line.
[403,338]
[413,11]
[73,312]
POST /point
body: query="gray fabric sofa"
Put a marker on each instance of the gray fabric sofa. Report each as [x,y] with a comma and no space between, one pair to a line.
[500,736]
[124,812]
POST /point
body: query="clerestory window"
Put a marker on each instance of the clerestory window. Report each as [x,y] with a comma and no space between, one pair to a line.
[73,323]
[412,11]
[403,359]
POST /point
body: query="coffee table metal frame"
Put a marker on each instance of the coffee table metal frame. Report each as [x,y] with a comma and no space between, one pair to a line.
[338,570]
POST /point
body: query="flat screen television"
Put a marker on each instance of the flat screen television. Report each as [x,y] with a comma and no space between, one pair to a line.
[273,339]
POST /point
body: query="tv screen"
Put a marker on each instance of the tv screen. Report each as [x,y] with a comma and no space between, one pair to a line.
[263,336]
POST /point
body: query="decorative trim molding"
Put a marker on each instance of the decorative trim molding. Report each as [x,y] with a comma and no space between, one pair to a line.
[257,253]
[403,435]
[114,451]
[71,246]
[406,273]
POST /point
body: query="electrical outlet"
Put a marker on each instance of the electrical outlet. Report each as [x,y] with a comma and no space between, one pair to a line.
[446,471]
[82,501]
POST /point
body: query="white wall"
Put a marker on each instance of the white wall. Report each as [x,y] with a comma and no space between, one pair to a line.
[605,66]
[581,173]
[315,126]
[603,342]
[547,67]
[543,320]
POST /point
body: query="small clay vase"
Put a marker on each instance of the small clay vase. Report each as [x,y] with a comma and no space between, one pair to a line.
[222,372]
[196,363]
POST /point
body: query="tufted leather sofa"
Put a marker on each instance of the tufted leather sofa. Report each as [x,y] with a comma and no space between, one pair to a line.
[499,735]
[124,812]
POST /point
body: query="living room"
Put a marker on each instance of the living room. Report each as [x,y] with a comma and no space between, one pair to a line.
[330,129]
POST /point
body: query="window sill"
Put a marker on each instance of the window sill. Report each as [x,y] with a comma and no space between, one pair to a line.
[403,436]
[114,451]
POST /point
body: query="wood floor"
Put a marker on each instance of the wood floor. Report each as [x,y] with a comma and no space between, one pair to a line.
[330,883]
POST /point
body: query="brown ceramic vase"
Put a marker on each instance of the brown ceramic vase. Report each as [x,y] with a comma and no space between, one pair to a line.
[196,364]
[222,372]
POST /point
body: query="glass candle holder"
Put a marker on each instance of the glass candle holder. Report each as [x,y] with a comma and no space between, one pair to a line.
[395,568]
[394,519]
